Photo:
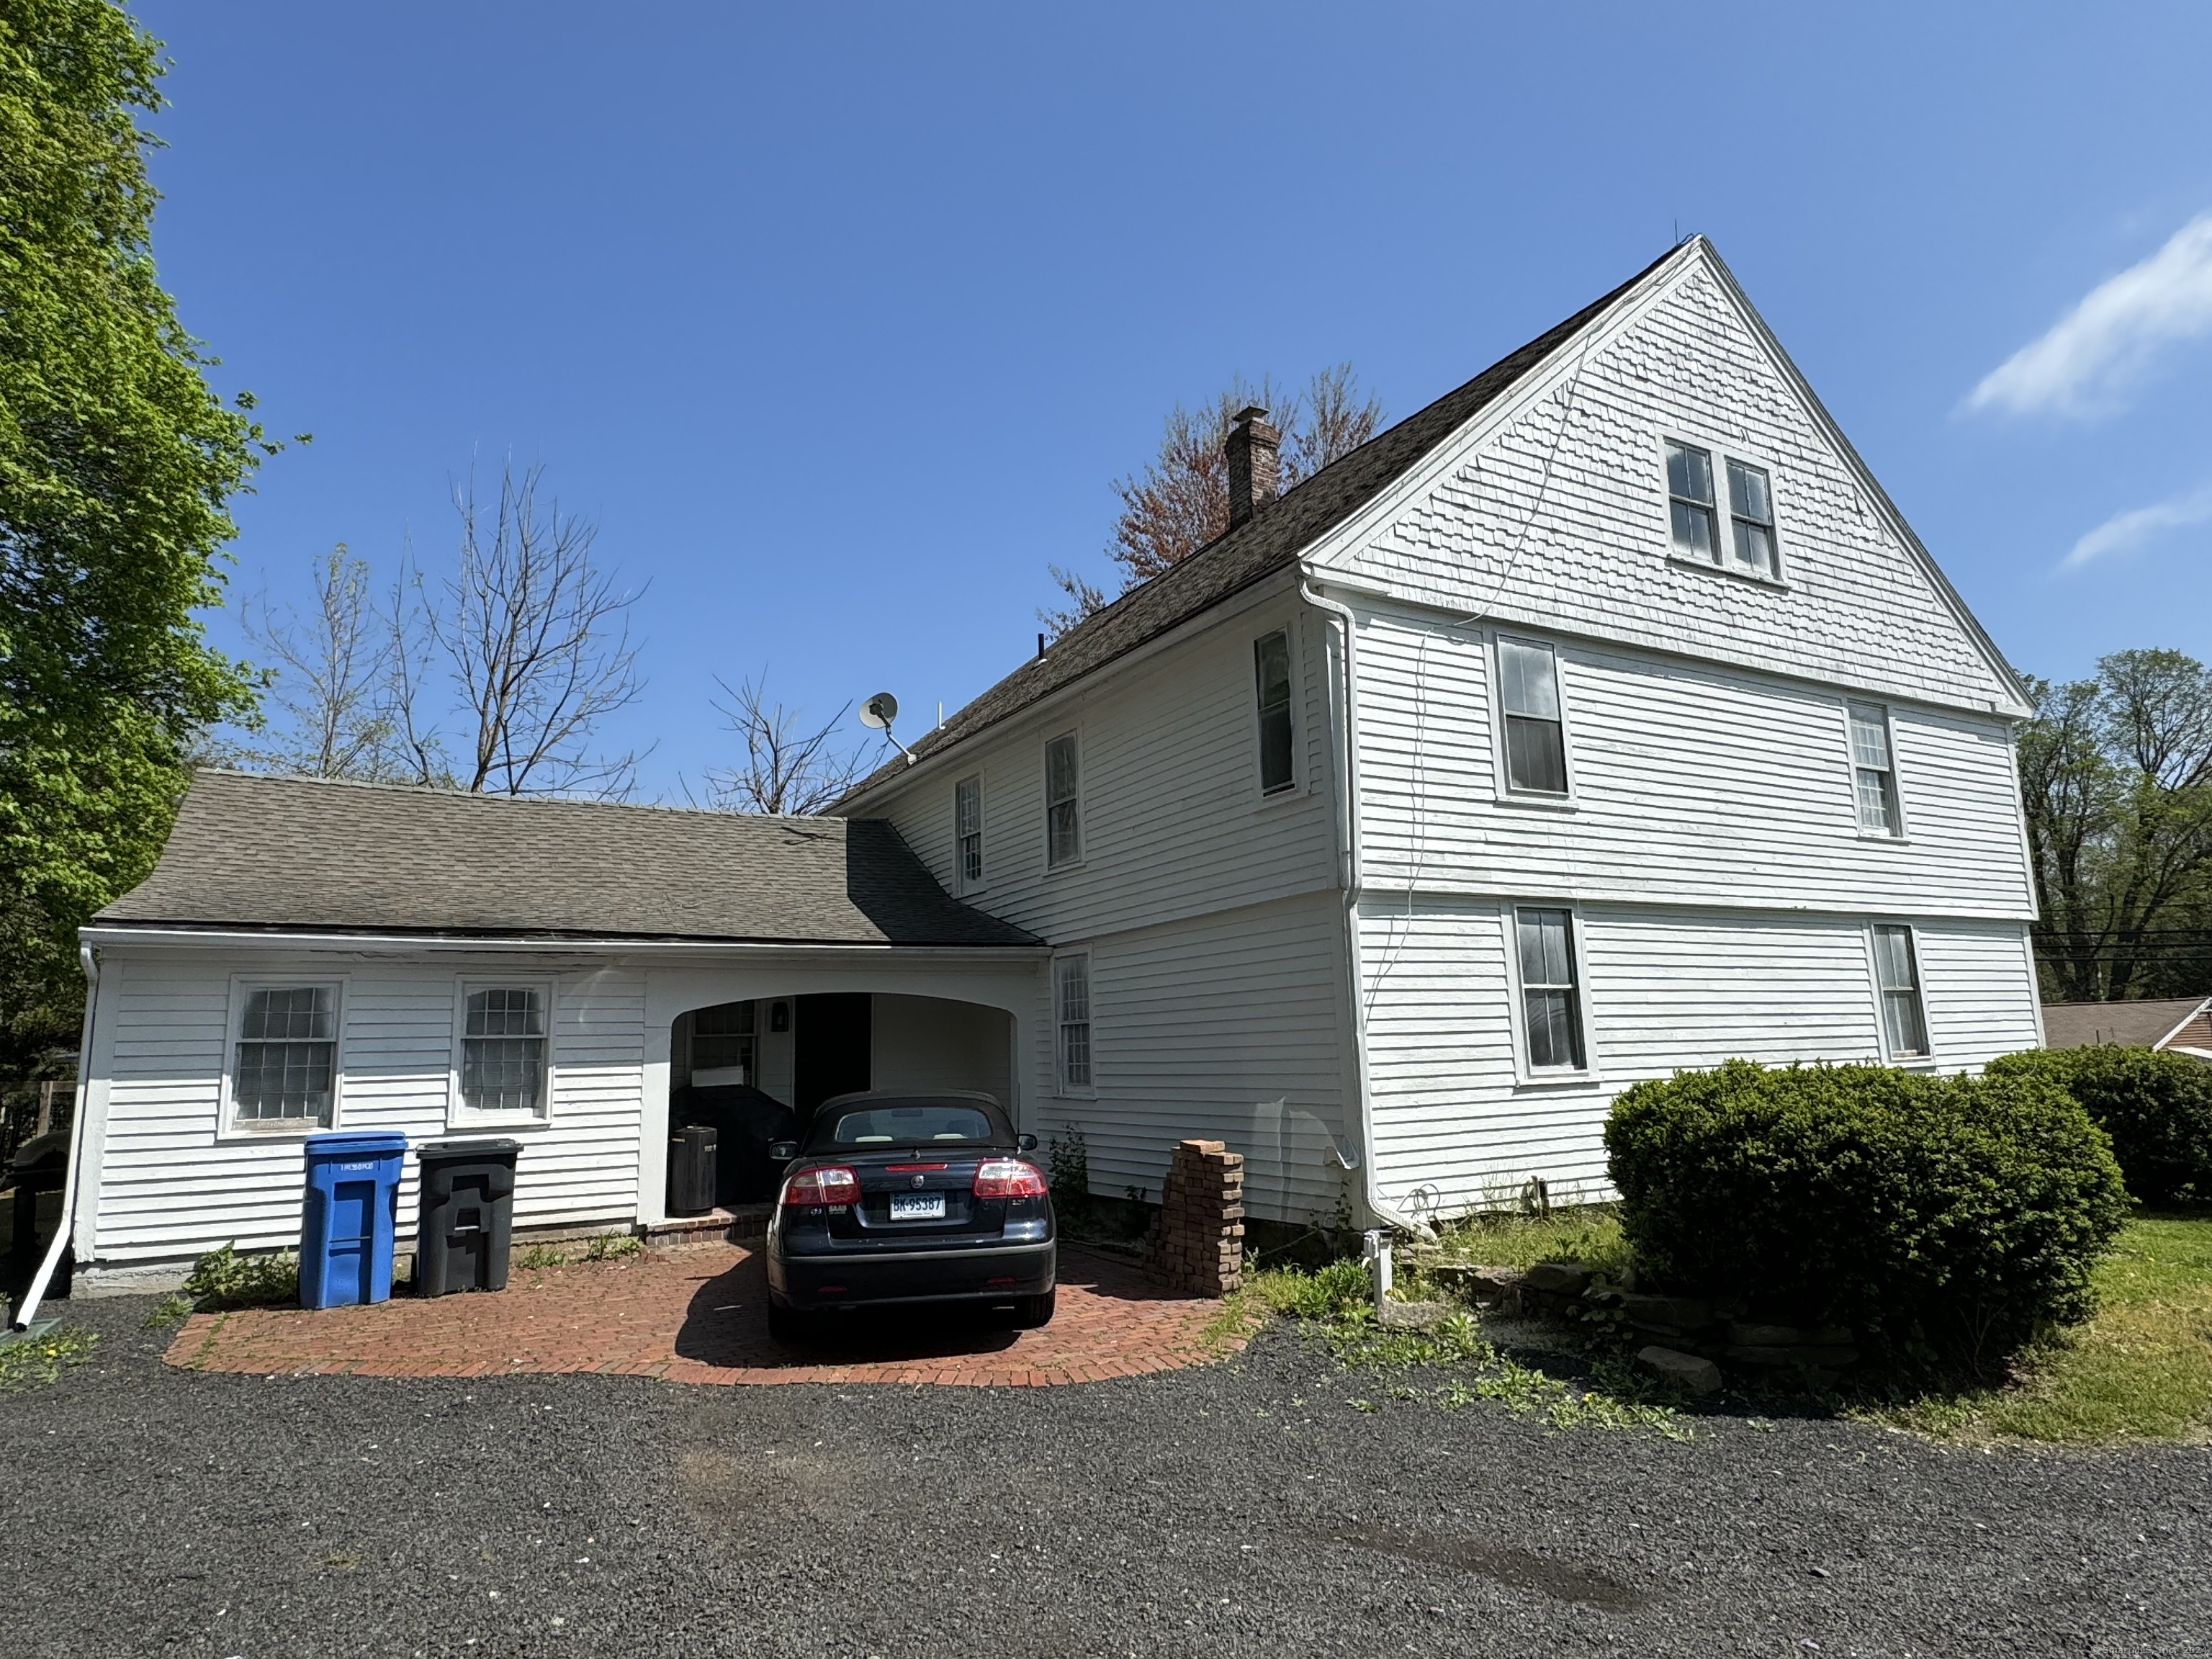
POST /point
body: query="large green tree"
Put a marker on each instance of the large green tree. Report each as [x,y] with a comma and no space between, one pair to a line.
[116,463]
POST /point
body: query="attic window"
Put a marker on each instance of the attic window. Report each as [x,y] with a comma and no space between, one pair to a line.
[1690,500]
[1736,534]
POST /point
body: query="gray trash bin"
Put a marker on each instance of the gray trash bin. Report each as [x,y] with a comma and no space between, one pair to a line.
[466,1219]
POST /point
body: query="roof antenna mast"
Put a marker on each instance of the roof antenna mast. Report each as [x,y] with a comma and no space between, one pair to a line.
[878,713]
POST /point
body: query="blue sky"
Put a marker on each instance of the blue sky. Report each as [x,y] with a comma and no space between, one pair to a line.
[841,321]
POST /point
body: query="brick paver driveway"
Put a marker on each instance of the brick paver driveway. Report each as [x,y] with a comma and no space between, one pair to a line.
[700,1314]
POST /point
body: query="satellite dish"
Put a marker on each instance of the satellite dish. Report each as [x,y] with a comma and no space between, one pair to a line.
[879,711]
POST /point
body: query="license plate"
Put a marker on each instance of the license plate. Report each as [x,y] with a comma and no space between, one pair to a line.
[917,1206]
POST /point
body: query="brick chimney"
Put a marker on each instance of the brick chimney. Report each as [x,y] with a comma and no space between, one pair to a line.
[1251,450]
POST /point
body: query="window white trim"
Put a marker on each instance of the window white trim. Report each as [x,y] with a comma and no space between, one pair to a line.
[1527,1076]
[1890,1055]
[1074,734]
[1061,1086]
[1903,831]
[458,1113]
[1289,785]
[1501,770]
[963,882]
[227,1127]
[1723,450]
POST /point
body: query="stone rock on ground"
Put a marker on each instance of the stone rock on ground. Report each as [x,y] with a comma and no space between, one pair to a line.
[1684,1370]
[1557,1278]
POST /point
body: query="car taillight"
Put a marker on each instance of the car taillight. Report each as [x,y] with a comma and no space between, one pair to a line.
[832,1185]
[1008,1177]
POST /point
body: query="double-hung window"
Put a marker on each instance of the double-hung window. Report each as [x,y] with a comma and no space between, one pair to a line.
[1271,665]
[284,1072]
[1535,725]
[1873,771]
[968,831]
[723,1039]
[1063,817]
[1751,515]
[1071,1001]
[1551,996]
[1746,542]
[1690,502]
[503,1051]
[1904,1016]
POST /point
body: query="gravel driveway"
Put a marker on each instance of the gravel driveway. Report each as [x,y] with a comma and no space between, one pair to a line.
[1247,1508]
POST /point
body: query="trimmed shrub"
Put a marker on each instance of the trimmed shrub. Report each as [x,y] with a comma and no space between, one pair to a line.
[2156,1106]
[1947,1219]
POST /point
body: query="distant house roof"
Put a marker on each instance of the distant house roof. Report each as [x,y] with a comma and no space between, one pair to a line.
[2177,1023]
[1269,541]
[293,854]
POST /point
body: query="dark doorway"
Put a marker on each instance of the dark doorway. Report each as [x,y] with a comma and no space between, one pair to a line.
[830,1048]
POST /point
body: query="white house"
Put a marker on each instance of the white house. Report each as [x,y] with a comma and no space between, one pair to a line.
[1602,718]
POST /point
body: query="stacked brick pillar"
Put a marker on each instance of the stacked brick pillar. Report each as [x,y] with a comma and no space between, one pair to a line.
[1197,1244]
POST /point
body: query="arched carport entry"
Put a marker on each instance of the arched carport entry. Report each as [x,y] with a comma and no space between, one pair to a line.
[801,1024]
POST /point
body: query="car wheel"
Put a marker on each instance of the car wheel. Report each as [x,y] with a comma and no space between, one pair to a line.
[1032,1311]
[788,1324]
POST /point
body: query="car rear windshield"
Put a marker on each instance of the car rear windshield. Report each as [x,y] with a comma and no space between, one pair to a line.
[909,1126]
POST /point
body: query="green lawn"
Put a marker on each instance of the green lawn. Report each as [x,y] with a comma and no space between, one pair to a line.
[2141,1368]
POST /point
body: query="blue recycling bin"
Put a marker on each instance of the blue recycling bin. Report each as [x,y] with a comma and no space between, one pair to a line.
[350,1215]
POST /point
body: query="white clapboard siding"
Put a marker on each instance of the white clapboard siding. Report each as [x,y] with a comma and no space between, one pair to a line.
[933,1043]
[1173,823]
[1225,1027]
[1667,989]
[172,1186]
[1693,783]
[1559,519]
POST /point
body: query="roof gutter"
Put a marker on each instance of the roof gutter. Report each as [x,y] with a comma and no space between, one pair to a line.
[1346,733]
[27,1309]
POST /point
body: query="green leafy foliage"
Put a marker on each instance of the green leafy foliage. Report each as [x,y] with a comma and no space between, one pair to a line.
[165,1315]
[31,1361]
[2156,1106]
[613,1247]
[224,1278]
[1950,1220]
[117,463]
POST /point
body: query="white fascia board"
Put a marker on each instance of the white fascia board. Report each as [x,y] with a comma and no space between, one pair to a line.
[2182,1024]
[1247,599]
[115,936]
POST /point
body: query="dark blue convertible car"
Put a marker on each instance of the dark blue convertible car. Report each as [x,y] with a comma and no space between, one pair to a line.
[896,1199]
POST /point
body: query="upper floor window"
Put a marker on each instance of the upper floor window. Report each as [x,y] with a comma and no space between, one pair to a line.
[968,830]
[503,1050]
[1690,500]
[1071,994]
[1271,665]
[1551,997]
[1063,820]
[285,1069]
[1873,771]
[1751,510]
[1903,1016]
[1535,728]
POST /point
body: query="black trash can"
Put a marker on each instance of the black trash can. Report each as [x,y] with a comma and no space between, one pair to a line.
[39,1166]
[466,1219]
[691,1169]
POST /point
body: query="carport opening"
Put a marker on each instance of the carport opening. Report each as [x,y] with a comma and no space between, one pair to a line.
[756,1070]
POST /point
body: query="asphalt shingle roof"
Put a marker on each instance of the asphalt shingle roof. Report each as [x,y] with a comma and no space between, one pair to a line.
[2136,1024]
[1269,541]
[297,853]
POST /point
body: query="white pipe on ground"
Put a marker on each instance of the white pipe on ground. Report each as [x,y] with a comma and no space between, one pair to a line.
[27,1309]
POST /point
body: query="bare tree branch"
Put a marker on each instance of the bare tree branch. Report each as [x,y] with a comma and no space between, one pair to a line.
[789,770]
[330,671]
[537,638]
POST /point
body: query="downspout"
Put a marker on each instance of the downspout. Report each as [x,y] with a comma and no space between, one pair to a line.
[1347,731]
[28,1307]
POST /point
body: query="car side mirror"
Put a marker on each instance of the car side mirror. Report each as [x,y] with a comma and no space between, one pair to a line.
[1027,1143]
[782,1151]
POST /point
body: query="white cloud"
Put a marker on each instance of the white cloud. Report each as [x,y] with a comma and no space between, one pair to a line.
[2123,531]
[2091,353]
